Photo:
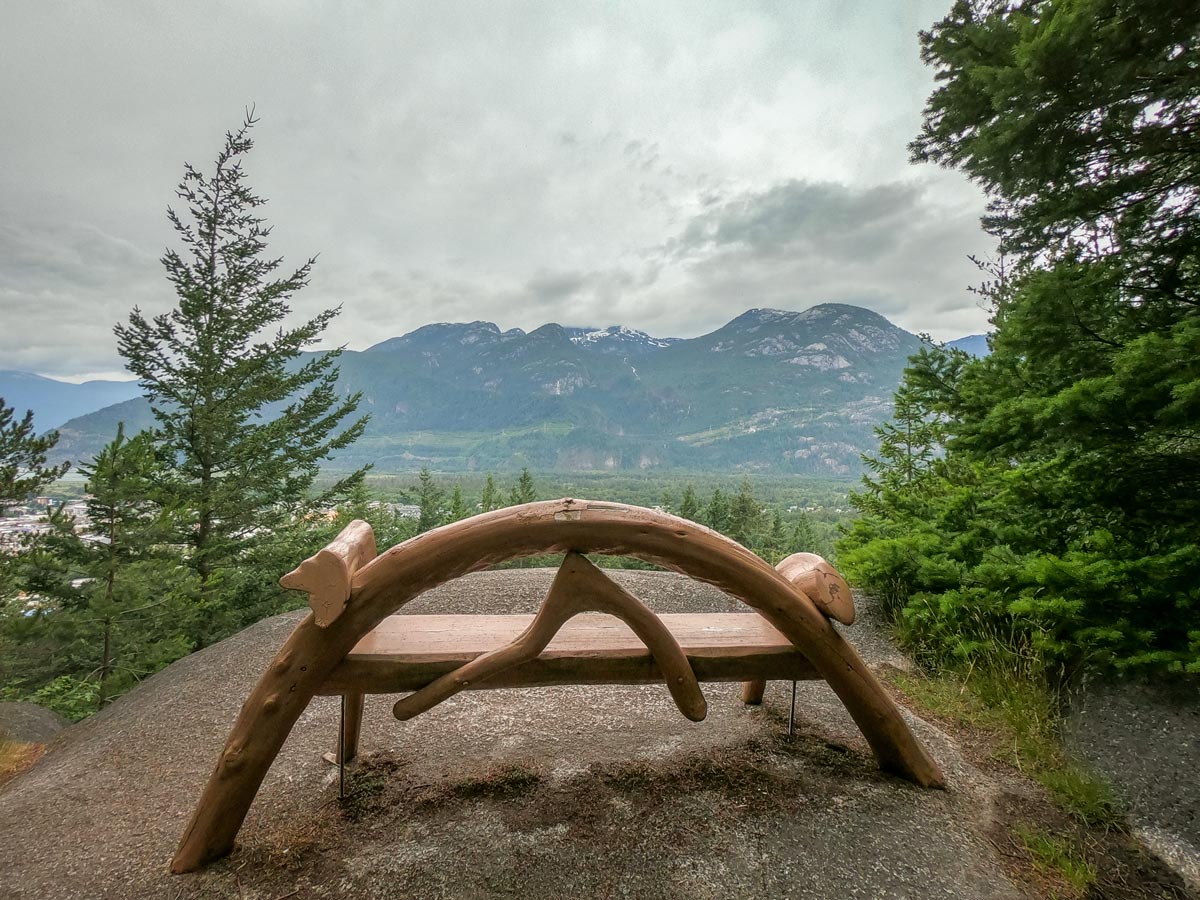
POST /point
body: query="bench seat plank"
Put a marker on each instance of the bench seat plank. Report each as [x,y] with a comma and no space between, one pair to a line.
[406,652]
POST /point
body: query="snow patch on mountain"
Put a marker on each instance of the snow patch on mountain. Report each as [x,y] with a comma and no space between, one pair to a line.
[617,338]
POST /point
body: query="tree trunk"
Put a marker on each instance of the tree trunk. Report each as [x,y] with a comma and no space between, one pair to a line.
[105,662]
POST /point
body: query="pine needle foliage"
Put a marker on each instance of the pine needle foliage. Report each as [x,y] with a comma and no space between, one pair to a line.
[244,416]
[1060,520]
[23,469]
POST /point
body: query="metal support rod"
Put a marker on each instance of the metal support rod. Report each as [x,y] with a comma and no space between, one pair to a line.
[792,714]
[341,751]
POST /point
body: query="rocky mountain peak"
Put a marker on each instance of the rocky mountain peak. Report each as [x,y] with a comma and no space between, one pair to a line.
[618,339]
[443,336]
[773,390]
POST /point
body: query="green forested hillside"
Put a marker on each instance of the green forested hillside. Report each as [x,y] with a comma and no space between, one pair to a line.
[1061,521]
[771,391]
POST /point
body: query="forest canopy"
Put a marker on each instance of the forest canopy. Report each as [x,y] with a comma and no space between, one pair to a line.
[1047,495]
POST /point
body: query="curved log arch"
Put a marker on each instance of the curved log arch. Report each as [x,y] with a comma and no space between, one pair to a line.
[556,526]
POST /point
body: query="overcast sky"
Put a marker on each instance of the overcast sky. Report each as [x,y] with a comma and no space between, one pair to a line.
[659,165]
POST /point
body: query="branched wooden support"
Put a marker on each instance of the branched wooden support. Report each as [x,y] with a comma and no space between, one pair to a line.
[577,588]
[383,585]
[326,577]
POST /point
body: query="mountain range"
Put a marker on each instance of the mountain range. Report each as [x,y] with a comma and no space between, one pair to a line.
[973,344]
[772,390]
[55,402]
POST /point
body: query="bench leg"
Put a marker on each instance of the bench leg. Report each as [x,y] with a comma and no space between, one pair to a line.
[752,691]
[351,725]
[792,715]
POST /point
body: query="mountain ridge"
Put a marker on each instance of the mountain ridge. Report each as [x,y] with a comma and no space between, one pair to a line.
[973,344]
[55,402]
[771,390]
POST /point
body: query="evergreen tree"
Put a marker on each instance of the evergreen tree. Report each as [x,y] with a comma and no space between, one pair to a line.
[243,419]
[777,538]
[40,580]
[745,514]
[1079,120]
[429,499]
[389,526]
[716,513]
[490,499]
[522,491]
[458,506]
[804,536]
[1062,514]
[23,469]
[114,605]
[913,439]
[136,597]
[689,505]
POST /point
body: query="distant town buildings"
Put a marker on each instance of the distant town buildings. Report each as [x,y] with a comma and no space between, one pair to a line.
[403,510]
[21,521]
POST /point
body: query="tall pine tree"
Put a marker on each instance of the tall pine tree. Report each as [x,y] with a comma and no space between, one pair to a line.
[745,514]
[716,513]
[458,504]
[490,499]
[689,505]
[522,491]
[136,599]
[429,500]
[244,419]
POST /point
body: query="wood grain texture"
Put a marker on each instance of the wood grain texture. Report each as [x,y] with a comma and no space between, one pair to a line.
[379,588]
[429,638]
[824,586]
[405,653]
[821,583]
[386,677]
[326,576]
[578,587]
[352,724]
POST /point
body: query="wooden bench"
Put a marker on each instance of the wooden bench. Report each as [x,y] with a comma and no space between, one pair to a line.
[589,630]
[405,653]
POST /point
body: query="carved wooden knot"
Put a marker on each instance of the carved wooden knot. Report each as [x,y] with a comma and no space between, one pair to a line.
[821,583]
[327,575]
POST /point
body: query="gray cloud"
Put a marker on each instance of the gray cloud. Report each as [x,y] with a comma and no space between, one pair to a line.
[57,292]
[659,165]
[802,217]
[897,248]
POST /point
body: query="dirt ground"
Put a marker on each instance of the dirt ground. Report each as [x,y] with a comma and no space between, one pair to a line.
[570,791]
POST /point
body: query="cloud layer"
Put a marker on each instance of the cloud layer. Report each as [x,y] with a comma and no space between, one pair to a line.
[664,166]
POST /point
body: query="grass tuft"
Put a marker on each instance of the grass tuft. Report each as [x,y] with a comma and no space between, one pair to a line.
[16,757]
[1017,714]
[1057,857]
[1085,796]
